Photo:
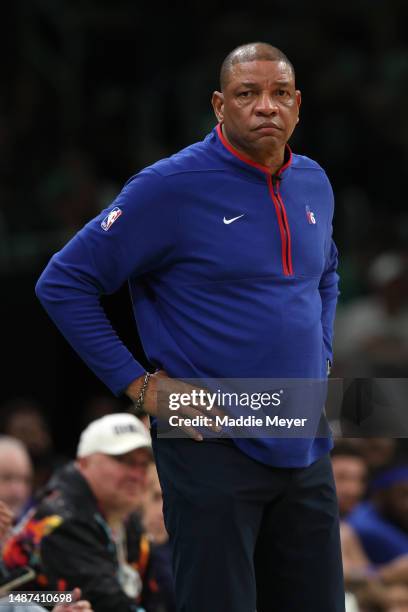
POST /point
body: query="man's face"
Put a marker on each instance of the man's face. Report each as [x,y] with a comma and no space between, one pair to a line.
[395,504]
[350,475]
[259,107]
[118,481]
[15,478]
[29,427]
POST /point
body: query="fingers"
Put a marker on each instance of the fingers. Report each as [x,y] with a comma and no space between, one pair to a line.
[204,399]
[192,433]
[5,513]
[206,420]
[6,519]
[187,401]
[179,402]
[76,594]
[186,395]
[79,606]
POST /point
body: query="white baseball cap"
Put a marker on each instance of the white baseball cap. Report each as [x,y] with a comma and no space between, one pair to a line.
[114,434]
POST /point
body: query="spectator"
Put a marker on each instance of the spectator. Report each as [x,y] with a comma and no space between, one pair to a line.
[24,419]
[152,508]
[99,406]
[382,521]
[375,557]
[372,332]
[84,532]
[15,475]
[350,475]
[153,522]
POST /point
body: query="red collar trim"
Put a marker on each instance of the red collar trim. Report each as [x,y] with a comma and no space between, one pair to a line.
[248,161]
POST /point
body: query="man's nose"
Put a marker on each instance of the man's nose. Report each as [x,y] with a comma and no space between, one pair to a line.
[266,105]
[19,488]
[138,472]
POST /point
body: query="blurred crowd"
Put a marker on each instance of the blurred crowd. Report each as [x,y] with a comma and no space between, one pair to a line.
[371,477]
[95,521]
[371,331]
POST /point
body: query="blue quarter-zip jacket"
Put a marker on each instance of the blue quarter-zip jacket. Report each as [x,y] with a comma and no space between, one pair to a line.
[213,298]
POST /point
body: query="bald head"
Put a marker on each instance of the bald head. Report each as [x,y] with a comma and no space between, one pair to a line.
[15,474]
[9,443]
[249,53]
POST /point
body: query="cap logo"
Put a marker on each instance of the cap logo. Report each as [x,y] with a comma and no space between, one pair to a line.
[126,428]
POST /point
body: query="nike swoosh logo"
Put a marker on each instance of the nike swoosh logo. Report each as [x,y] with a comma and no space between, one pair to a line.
[228,221]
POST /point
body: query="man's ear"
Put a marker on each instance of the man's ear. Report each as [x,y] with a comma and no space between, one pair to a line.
[217,102]
[82,462]
[298,99]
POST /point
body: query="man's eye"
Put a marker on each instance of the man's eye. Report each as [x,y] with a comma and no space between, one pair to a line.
[244,94]
[282,92]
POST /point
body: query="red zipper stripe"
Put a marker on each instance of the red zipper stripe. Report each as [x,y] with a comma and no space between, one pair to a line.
[290,267]
[281,226]
[288,163]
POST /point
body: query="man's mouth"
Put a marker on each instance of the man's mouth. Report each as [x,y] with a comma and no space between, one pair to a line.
[267,127]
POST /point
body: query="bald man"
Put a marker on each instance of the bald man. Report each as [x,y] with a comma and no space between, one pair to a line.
[231,265]
[15,475]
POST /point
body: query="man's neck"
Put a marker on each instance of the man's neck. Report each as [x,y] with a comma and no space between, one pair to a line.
[114,519]
[272,160]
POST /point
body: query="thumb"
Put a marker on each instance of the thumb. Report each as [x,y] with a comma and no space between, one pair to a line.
[76,594]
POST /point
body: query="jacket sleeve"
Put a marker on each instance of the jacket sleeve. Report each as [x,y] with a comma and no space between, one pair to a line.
[329,287]
[73,555]
[135,235]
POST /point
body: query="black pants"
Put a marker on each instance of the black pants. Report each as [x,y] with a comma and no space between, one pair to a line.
[247,537]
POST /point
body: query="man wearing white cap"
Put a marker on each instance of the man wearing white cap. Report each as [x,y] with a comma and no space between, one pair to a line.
[85,532]
[113,455]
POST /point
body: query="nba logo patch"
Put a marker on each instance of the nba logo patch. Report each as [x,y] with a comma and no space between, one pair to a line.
[310,216]
[111,218]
